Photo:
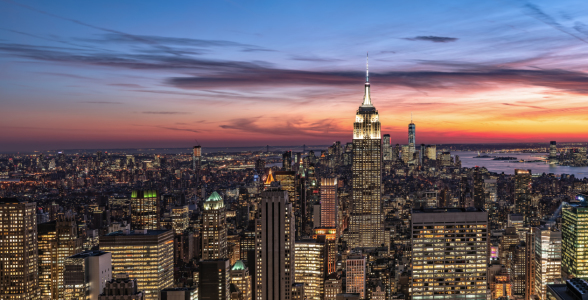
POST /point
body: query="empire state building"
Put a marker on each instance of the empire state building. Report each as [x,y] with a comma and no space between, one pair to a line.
[366,227]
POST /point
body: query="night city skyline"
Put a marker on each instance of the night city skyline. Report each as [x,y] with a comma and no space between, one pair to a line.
[150,74]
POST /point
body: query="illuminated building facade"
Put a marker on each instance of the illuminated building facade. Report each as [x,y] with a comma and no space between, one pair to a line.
[366,226]
[18,250]
[196,158]
[145,208]
[522,192]
[518,269]
[502,286]
[214,228]
[411,139]
[85,275]
[310,266]
[180,217]
[333,286]
[57,241]
[547,260]
[449,254]
[329,203]
[329,237]
[574,246]
[553,152]
[145,255]
[274,253]
[355,273]
[241,279]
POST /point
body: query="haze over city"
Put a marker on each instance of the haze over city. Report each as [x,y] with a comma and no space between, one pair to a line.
[246,73]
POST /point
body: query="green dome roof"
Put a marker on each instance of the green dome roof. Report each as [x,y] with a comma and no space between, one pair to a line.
[238,266]
[214,197]
[214,201]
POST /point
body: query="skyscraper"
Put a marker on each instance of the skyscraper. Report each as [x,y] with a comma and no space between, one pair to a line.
[355,272]
[287,161]
[522,193]
[310,265]
[553,152]
[479,199]
[240,277]
[547,259]
[274,270]
[215,280]
[145,255]
[57,240]
[214,228]
[574,246]
[196,158]
[366,228]
[386,148]
[411,139]
[145,210]
[18,250]
[438,239]
[329,203]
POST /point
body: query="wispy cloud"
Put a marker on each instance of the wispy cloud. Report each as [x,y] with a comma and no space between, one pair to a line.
[432,38]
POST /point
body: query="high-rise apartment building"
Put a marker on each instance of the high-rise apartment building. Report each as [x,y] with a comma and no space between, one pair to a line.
[180,217]
[411,139]
[449,254]
[18,250]
[214,280]
[145,210]
[274,270]
[287,161]
[553,152]
[310,265]
[518,269]
[522,193]
[145,255]
[214,228]
[196,158]
[241,279]
[58,240]
[479,195]
[386,148]
[574,246]
[547,259]
[86,274]
[329,203]
[366,225]
[356,274]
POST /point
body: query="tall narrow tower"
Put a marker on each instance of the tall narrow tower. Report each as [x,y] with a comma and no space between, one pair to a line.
[411,139]
[366,228]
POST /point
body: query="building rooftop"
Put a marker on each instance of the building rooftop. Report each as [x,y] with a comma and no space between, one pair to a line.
[137,232]
[239,266]
[449,209]
[88,254]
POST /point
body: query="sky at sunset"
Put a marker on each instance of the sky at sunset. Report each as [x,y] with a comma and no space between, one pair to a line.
[121,74]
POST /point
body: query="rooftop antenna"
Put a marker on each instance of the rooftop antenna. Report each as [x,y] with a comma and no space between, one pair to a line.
[367,67]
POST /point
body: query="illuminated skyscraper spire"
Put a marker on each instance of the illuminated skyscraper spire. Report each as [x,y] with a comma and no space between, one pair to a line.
[367,101]
[367,67]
